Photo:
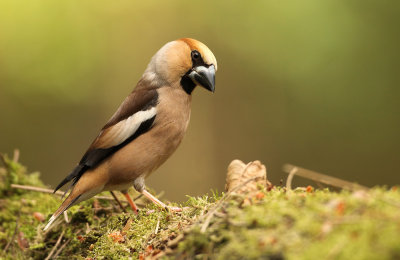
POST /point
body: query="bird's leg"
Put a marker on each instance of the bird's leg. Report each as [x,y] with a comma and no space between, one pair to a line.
[158,202]
[130,201]
[117,200]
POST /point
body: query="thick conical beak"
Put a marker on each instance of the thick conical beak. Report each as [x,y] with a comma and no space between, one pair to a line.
[204,77]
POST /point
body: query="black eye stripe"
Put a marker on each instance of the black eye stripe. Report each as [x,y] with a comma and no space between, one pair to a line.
[197,60]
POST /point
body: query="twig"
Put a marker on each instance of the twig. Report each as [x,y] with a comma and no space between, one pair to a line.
[61,248]
[220,214]
[88,229]
[175,241]
[319,184]
[290,178]
[55,246]
[13,236]
[157,226]
[66,217]
[34,188]
[209,217]
[319,177]
[16,155]
[138,197]
[44,190]
[211,213]
[118,201]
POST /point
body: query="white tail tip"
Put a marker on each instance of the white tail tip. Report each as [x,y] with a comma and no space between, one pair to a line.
[51,220]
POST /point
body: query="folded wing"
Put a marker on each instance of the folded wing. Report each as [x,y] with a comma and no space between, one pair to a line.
[134,117]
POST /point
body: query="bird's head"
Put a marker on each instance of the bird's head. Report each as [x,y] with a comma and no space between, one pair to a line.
[186,63]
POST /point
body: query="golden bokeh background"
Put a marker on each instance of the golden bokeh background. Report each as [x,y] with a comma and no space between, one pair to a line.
[313,83]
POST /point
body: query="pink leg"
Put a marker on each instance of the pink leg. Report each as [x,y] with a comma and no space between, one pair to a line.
[158,202]
[131,203]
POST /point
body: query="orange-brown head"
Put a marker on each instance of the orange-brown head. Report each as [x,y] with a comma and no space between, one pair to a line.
[184,62]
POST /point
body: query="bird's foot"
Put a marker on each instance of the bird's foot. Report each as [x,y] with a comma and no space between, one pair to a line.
[131,203]
[160,203]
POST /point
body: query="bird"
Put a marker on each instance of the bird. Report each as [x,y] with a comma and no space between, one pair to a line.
[147,127]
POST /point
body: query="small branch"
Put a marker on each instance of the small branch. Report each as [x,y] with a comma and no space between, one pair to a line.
[34,188]
[138,197]
[157,226]
[290,178]
[44,190]
[16,155]
[175,241]
[118,201]
[66,217]
[55,246]
[319,177]
[88,229]
[61,248]
[13,236]
[211,213]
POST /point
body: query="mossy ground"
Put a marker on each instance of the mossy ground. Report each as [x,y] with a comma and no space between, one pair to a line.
[276,224]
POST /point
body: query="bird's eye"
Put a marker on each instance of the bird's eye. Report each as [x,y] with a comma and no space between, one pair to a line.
[195,55]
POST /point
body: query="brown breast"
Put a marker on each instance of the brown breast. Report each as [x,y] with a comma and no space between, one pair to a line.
[147,152]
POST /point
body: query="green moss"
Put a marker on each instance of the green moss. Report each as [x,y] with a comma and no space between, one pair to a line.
[272,225]
[302,225]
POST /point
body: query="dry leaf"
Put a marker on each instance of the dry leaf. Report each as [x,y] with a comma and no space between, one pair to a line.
[117,237]
[260,195]
[326,227]
[239,176]
[81,238]
[360,194]
[22,241]
[246,202]
[340,208]
[149,248]
[88,229]
[127,225]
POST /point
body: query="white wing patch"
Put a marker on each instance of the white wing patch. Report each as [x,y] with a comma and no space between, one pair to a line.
[121,131]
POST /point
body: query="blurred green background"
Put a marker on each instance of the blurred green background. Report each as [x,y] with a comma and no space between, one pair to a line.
[313,83]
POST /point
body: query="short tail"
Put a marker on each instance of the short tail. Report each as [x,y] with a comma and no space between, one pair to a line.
[67,203]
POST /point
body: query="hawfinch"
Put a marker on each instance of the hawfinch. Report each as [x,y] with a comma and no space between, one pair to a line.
[147,127]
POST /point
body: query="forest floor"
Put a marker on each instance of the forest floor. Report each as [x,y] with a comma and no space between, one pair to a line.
[273,223]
